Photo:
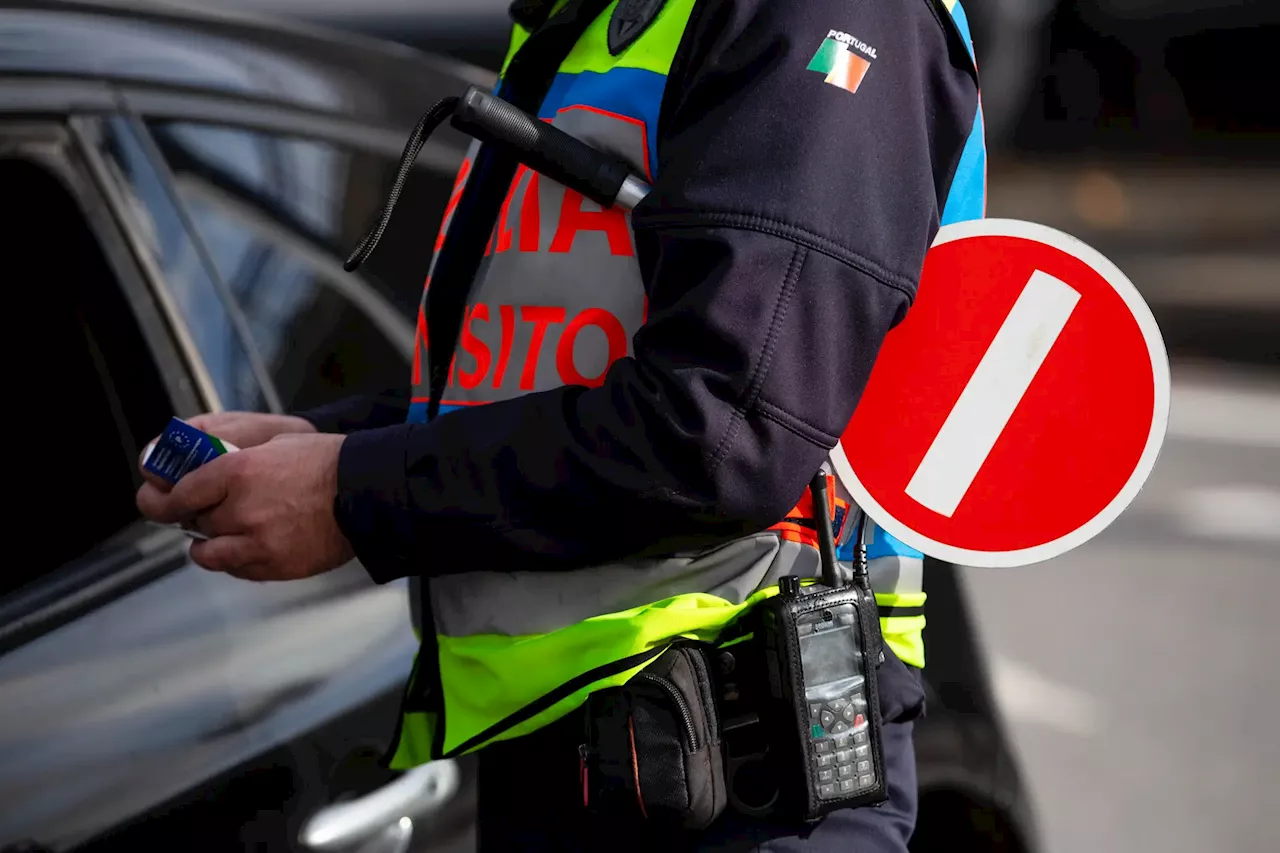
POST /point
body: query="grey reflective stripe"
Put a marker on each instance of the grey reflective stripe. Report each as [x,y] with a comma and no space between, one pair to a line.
[618,135]
[896,575]
[524,603]
[553,304]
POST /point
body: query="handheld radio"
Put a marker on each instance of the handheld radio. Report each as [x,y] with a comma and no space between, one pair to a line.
[822,647]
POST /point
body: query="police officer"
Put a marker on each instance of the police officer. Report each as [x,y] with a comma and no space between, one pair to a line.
[638,401]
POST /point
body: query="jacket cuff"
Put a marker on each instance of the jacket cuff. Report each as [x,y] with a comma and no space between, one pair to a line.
[316,418]
[371,507]
[328,418]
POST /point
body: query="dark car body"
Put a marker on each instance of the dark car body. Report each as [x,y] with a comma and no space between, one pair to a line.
[1176,78]
[181,189]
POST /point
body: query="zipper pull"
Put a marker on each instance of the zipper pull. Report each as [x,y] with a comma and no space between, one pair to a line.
[582,772]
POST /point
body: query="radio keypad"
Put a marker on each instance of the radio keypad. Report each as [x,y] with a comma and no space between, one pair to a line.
[842,745]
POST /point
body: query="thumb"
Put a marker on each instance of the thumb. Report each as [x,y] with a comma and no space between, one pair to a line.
[160,483]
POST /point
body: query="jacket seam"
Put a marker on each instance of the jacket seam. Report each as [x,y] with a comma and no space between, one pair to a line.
[761,370]
[797,425]
[771,337]
[778,228]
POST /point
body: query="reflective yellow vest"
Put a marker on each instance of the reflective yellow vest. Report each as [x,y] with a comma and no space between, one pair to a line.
[557,300]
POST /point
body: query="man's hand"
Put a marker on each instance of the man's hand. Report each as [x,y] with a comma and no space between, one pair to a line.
[268,510]
[249,429]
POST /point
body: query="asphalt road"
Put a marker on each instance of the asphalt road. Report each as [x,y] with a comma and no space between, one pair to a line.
[1139,673]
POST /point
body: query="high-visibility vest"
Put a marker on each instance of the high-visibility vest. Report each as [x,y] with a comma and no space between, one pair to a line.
[557,299]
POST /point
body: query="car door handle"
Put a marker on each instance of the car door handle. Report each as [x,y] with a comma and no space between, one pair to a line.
[394,839]
[417,792]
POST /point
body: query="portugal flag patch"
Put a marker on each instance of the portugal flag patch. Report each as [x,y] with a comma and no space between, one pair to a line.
[837,60]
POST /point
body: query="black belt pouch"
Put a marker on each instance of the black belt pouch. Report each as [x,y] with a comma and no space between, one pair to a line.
[652,747]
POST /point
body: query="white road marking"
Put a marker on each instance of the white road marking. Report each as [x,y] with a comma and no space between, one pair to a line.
[993,393]
[1025,696]
[1236,511]
[1226,415]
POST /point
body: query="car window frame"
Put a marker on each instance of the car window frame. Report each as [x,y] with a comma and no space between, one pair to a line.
[154,103]
[138,553]
[150,105]
[87,127]
[53,145]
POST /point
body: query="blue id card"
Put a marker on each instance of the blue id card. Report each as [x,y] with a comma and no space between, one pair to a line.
[181,449]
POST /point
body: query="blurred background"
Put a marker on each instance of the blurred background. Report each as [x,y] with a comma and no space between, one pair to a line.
[1132,680]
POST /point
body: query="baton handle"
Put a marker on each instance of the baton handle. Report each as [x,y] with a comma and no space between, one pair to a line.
[600,177]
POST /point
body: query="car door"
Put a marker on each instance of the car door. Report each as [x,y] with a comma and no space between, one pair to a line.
[128,676]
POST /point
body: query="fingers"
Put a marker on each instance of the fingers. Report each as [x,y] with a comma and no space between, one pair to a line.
[198,491]
[240,429]
[222,520]
[217,423]
[238,556]
[232,555]
[151,500]
[162,485]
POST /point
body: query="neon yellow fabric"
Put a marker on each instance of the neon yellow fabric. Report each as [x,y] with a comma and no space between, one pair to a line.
[653,51]
[414,746]
[518,36]
[904,634]
[482,673]
[489,669]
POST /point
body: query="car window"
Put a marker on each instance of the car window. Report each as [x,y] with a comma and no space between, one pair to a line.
[187,276]
[298,176]
[279,215]
[88,393]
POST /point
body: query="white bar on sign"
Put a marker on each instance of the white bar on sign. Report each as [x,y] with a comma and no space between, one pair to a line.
[993,393]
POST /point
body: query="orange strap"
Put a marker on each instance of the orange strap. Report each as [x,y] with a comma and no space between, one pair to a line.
[799,524]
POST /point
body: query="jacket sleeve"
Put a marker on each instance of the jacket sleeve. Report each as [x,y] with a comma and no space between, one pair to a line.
[784,238]
[363,411]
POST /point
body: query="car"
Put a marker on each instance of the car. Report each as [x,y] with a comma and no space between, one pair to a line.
[477,32]
[1128,78]
[183,186]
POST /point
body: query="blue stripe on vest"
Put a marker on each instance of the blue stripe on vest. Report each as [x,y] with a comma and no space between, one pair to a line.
[882,544]
[418,412]
[967,197]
